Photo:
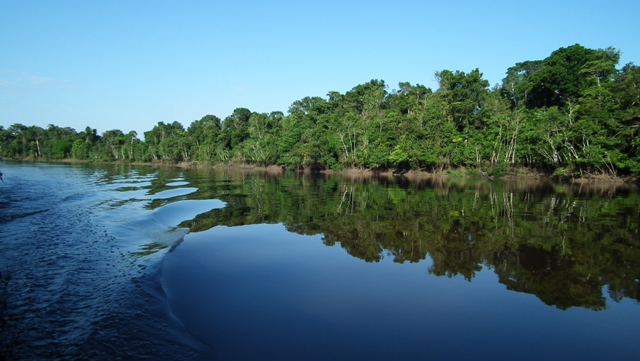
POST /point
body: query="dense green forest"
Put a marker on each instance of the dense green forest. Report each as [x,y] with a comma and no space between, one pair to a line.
[574,113]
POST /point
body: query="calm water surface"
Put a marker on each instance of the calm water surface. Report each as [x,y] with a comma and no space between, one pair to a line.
[115,262]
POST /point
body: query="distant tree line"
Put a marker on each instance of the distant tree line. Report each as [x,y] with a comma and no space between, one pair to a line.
[573,113]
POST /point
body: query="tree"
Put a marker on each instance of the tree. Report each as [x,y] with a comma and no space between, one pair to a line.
[236,127]
[114,140]
[561,78]
[167,142]
[463,97]
[204,134]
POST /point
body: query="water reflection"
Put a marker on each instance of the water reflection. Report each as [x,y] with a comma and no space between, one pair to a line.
[569,245]
[561,243]
[265,290]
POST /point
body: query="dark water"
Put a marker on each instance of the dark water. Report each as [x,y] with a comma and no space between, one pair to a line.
[75,284]
[143,263]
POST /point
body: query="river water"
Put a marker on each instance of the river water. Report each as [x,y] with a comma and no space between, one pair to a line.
[74,287]
[122,262]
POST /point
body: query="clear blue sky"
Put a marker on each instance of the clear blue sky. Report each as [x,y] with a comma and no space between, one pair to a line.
[130,64]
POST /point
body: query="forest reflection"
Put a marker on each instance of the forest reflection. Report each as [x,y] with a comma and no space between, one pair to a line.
[566,244]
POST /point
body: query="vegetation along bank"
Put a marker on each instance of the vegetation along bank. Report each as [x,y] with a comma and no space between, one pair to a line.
[573,114]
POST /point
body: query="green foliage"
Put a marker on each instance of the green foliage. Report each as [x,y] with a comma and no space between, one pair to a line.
[561,172]
[398,157]
[496,172]
[456,172]
[561,77]
[572,110]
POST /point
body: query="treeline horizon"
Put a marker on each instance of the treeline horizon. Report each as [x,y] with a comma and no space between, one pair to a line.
[573,113]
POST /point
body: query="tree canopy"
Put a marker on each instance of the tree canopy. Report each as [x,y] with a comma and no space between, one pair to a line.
[572,113]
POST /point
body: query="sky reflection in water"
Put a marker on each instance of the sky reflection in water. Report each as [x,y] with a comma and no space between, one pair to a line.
[260,292]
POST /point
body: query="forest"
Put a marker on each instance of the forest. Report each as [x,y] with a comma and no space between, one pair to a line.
[574,113]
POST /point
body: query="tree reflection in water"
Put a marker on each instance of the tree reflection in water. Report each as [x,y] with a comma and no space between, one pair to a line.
[561,243]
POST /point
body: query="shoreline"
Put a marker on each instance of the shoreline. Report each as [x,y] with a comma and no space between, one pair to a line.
[411,174]
[418,175]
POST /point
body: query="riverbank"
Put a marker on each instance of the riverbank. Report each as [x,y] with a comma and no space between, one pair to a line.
[419,175]
[514,174]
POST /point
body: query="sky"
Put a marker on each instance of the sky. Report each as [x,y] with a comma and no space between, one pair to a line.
[130,64]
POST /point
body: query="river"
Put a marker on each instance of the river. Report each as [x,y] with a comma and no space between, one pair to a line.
[130,262]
